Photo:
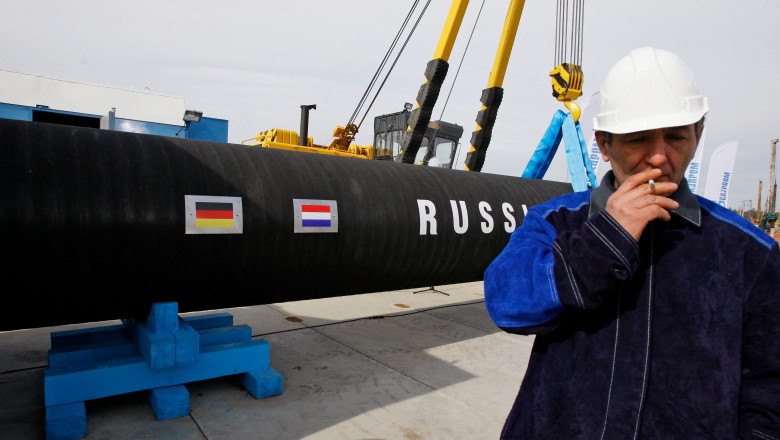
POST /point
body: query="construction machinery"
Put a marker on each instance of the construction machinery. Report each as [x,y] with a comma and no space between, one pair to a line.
[290,140]
[439,145]
[425,142]
[767,221]
[567,77]
[341,145]
[440,138]
[436,71]
[772,196]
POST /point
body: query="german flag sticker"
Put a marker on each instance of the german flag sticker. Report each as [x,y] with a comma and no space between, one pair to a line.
[213,215]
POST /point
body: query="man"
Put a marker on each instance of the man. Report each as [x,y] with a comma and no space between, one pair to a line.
[657,312]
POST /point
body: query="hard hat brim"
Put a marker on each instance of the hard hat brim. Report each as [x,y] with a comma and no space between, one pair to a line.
[610,122]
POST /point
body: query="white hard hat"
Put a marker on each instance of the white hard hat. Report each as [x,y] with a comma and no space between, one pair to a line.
[648,89]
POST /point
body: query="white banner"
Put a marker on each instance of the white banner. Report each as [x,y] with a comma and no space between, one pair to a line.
[719,173]
[693,173]
[590,108]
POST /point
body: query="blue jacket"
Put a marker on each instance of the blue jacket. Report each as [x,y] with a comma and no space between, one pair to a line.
[674,337]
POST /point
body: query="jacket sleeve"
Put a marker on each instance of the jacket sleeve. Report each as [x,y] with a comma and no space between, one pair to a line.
[547,269]
[759,416]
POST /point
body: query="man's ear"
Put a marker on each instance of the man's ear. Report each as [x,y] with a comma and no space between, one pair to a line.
[601,139]
[699,128]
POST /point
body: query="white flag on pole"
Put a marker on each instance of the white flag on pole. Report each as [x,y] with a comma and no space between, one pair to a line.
[719,173]
[693,173]
[590,108]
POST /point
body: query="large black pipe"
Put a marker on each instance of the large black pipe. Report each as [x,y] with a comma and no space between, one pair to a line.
[93,224]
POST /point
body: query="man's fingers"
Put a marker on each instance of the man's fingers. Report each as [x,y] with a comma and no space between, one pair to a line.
[658,212]
[640,178]
[645,189]
[658,200]
[661,188]
[636,202]
[645,209]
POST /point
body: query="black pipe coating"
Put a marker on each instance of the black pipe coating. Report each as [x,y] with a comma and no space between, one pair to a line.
[94,224]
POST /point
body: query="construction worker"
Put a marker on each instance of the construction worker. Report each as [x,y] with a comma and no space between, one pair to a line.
[656,311]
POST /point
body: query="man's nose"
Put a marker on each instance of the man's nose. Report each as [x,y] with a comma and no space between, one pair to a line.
[656,151]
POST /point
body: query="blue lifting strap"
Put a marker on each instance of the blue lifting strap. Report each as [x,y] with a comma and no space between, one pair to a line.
[563,127]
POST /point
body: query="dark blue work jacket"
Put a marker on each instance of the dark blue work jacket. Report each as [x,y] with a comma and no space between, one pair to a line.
[674,337]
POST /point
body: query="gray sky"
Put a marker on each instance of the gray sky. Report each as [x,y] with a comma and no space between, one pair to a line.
[255,62]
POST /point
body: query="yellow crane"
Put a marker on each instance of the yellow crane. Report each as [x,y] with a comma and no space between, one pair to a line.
[418,142]
[567,77]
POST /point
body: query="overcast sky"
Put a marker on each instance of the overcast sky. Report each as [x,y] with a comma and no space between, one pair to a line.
[255,62]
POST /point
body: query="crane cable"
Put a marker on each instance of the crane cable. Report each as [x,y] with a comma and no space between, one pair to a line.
[567,76]
[384,62]
[392,66]
[569,49]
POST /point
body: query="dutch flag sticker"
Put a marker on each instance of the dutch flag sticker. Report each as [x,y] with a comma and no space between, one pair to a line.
[315,216]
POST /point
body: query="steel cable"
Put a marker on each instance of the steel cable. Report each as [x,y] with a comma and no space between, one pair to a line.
[384,61]
[569,27]
[392,66]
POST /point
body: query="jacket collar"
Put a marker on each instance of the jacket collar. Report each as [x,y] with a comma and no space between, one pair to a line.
[689,206]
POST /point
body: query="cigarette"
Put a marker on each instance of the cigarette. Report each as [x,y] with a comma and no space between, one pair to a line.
[651,183]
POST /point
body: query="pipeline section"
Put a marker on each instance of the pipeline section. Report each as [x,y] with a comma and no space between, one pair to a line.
[101,224]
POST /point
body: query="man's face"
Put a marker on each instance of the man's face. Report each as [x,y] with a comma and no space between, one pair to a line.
[669,149]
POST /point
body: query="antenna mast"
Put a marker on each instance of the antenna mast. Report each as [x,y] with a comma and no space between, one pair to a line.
[772,190]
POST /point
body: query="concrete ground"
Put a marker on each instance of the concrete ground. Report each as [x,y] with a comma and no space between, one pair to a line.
[388,365]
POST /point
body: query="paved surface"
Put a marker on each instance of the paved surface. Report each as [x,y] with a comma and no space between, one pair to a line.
[389,365]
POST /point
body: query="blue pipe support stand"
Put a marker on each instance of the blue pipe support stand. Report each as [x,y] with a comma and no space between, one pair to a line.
[159,356]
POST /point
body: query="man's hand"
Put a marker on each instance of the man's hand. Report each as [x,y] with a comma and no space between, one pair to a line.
[636,203]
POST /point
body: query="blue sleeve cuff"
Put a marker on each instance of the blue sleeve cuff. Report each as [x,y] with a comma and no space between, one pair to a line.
[520,288]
